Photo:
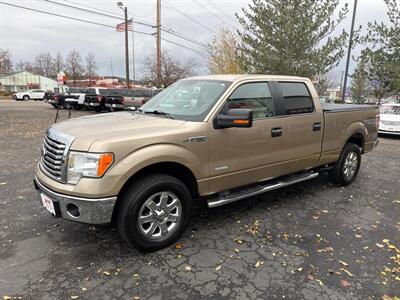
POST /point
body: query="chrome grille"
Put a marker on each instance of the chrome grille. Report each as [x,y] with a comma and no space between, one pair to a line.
[54,151]
[392,123]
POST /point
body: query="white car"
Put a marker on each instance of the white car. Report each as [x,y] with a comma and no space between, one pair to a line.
[30,94]
[389,119]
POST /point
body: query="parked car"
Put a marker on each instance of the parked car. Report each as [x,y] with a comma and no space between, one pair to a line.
[120,99]
[30,95]
[76,97]
[95,98]
[216,139]
[390,119]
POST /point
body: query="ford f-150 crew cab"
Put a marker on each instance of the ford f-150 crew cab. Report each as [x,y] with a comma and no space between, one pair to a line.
[216,139]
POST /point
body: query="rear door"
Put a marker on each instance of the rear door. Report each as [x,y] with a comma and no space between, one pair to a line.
[302,124]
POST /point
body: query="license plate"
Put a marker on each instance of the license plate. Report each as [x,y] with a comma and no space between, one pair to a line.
[48,203]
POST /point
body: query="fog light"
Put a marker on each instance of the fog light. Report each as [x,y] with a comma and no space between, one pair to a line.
[73,210]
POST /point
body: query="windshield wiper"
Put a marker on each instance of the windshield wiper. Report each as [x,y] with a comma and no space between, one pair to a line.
[159,112]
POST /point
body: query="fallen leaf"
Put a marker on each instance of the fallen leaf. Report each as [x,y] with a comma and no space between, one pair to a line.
[379,245]
[346,271]
[178,246]
[218,268]
[299,269]
[6,297]
[343,263]
[136,275]
[106,273]
[188,268]
[259,263]
[385,241]
[345,283]
[319,281]
[136,298]
[310,277]
[83,289]
[74,297]
[358,236]
[237,250]
[238,241]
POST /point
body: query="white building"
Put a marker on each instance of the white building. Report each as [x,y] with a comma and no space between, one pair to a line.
[22,81]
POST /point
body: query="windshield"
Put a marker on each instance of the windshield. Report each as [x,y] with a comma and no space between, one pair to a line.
[392,110]
[187,100]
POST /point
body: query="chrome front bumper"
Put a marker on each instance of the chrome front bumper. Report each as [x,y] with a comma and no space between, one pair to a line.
[90,211]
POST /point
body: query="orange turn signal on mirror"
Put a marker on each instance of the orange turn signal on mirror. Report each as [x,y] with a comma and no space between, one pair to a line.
[240,121]
[105,162]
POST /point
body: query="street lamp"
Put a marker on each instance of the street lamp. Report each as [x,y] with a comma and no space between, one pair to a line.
[125,9]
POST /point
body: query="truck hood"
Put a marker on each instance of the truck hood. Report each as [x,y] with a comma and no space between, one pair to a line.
[89,129]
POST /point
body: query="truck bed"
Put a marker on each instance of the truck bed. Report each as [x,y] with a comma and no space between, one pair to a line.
[329,107]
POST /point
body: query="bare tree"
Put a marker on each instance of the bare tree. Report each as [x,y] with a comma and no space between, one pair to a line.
[6,64]
[44,64]
[24,66]
[59,64]
[172,69]
[74,65]
[223,55]
[323,83]
[91,66]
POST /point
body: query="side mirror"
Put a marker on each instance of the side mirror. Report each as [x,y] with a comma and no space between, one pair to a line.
[234,118]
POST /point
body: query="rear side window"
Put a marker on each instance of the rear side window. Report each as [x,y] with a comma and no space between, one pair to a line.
[255,96]
[296,98]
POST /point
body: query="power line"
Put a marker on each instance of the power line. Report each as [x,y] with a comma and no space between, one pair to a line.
[209,11]
[168,30]
[199,52]
[220,10]
[174,9]
[93,23]
[97,13]
[172,32]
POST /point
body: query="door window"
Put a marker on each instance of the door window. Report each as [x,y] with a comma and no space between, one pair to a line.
[296,98]
[255,96]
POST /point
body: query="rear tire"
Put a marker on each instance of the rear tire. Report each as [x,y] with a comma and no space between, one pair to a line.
[26,98]
[346,168]
[154,212]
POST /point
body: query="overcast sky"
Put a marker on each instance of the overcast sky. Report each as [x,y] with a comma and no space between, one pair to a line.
[28,33]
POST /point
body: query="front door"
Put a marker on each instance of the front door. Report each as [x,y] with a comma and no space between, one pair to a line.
[239,156]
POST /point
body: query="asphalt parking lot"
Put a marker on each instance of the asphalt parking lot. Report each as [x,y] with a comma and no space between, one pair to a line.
[308,241]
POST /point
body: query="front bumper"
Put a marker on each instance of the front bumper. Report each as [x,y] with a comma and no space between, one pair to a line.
[389,132]
[91,211]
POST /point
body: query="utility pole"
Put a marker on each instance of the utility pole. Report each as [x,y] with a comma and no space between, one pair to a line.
[341,85]
[133,56]
[158,43]
[349,50]
[126,47]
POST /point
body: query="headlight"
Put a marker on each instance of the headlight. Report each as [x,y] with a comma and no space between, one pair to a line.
[81,164]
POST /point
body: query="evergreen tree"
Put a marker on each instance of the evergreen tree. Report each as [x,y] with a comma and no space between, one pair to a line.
[292,37]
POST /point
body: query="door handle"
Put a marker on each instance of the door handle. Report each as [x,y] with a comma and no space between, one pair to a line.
[317,126]
[277,131]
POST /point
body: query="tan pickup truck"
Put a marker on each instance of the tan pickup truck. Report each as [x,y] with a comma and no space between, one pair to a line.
[216,139]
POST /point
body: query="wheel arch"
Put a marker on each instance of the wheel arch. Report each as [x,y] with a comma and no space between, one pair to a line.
[358,139]
[171,168]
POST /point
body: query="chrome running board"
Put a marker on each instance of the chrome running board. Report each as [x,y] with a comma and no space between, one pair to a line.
[259,189]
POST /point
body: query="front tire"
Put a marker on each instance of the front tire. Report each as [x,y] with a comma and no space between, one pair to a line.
[154,212]
[26,98]
[346,168]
